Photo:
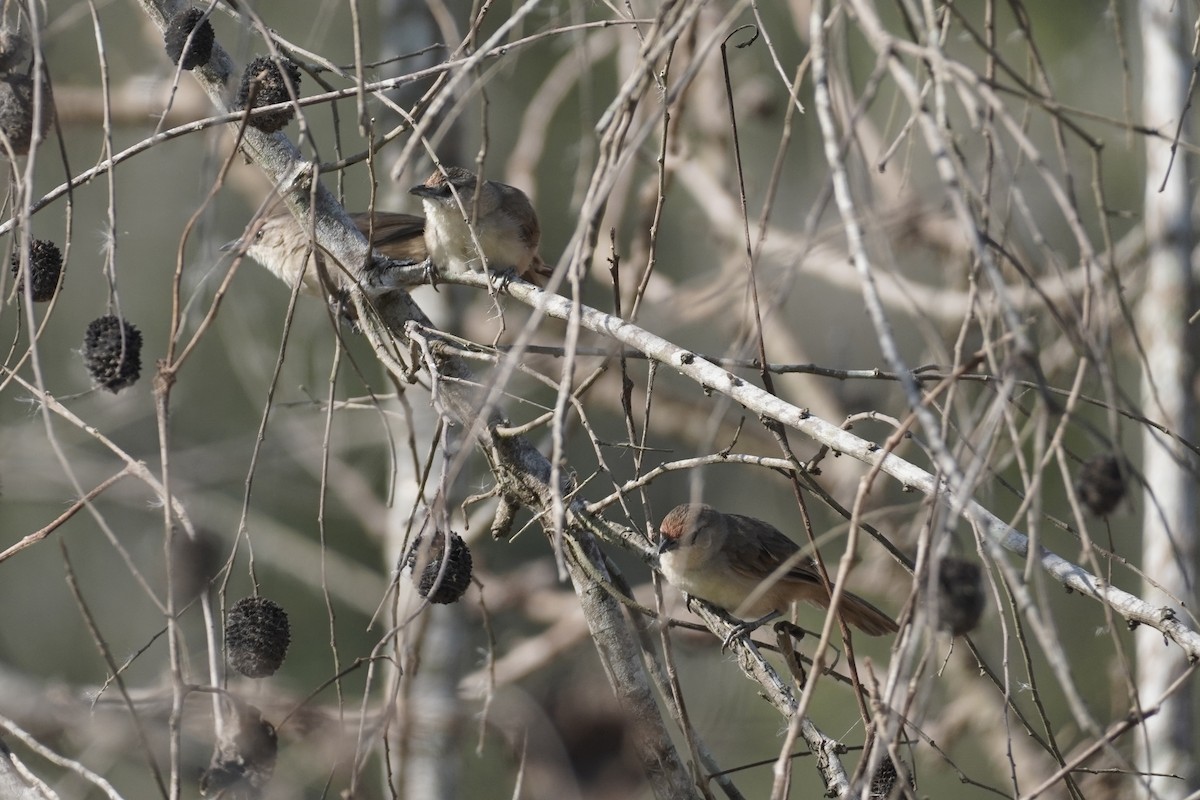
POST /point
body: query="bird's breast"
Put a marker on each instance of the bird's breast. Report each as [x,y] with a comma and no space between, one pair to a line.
[504,247]
[451,243]
[712,580]
[289,264]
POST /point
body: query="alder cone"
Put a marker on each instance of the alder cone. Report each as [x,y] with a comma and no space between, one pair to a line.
[426,563]
[1100,485]
[960,595]
[45,270]
[257,635]
[265,83]
[15,50]
[176,38]
[16,111]
[112,352]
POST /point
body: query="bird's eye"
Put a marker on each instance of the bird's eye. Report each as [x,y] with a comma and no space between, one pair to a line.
[258,234]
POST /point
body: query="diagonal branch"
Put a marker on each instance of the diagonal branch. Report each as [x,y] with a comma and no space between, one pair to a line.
[521,470]
[752,398]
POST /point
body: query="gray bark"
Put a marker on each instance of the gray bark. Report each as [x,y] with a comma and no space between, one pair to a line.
[1169,547]
[522,471]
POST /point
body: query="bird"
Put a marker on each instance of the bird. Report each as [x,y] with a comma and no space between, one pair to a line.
[282,245]
[724,559]
[502,220]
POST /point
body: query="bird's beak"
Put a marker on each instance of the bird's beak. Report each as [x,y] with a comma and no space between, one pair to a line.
[667,545]
[236,243]
[421,190]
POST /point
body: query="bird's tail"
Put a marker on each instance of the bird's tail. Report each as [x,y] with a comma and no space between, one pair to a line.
[538,272]
[864,616]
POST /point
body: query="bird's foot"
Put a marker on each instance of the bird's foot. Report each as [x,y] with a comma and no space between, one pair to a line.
[746,628]
[739,630]
[502,278]
[432,274]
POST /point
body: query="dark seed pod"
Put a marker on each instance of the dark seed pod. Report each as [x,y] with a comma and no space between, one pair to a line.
[960,595]
[256,636]
[426,564]
[883,782]
[264,84]
[16,111]
[112,352]
[244,759]
[15,51]
[45,268]
[1100,485]
[176,38]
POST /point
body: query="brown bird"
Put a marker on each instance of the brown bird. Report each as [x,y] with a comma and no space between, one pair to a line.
[725,558]
[281,245]
[503,222]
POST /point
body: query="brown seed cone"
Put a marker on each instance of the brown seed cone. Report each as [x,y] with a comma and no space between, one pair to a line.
[960,595]
[257,635]
[16,111]
[1100,485]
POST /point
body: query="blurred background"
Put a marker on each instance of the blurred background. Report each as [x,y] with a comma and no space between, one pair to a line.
[314,503]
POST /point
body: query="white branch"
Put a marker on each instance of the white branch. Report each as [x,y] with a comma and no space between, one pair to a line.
[758,401]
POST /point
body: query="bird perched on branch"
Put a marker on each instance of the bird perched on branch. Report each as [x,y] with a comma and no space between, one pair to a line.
[282,245]
[730,561]
[502,222]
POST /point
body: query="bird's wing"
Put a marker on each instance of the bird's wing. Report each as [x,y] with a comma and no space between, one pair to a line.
[391,227]
[515,199]
[773,549]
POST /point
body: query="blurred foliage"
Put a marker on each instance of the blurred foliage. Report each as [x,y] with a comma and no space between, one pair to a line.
[547,145]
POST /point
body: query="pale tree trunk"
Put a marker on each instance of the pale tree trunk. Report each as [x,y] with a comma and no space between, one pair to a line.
[432,714]
[1169,506]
